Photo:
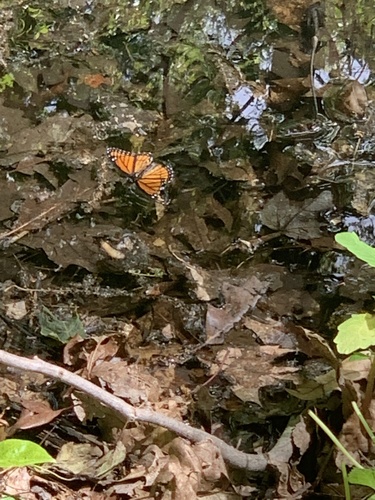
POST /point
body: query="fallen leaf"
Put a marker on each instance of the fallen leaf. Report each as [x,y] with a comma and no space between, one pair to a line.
[298,220]
[35,414]
[238,300]
[131,382]
[96,80]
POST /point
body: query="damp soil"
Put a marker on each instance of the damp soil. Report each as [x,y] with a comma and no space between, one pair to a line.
[216,301]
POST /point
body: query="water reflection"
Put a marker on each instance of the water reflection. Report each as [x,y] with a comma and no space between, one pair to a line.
[250,108]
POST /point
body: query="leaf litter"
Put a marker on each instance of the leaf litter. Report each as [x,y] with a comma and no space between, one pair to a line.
[211,310]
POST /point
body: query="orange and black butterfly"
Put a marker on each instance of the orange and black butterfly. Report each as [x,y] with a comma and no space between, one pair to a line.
[149,176]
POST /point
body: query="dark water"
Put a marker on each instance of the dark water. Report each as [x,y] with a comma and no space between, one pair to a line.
[264,174]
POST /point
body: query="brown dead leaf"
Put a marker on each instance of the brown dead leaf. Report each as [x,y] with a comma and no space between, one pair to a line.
[67,244]
[270,332]
[106,348]
[206,283]
[213,465]
[56,130]
[354,439]
[132,382]
[263,372]
[225,358]
[130,437]
[355,369]
[345,100]
[313,344]
[181,483]
[300,436]
[27,165]
[35,413]
[195,228]
[16,482]
[191,469]
[298,303]
[283,457]
[238,300]
[89,460]
[288,13]
[96,80]
[73,350]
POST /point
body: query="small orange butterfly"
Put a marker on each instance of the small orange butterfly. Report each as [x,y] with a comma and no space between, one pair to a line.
[149,176]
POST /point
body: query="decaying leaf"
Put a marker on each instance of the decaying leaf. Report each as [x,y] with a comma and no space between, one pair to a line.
[95,81]
[132,382]
[299,220]
[238,300]
[15,481]
[256,368]
[35,414]
[35,214]
[89,460]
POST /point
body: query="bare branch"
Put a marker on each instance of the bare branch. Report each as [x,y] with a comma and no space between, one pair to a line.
[234,457]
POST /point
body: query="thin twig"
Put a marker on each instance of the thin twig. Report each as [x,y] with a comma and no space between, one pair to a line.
[236,458]
[315,46]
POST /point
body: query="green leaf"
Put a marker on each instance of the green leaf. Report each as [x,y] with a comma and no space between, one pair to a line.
[357,247]
[20,453]
[357,332]
[365,477]
[62,330]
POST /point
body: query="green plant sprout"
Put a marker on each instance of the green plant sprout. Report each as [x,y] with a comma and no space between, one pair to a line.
[358,475]
[355,334]
[362,324]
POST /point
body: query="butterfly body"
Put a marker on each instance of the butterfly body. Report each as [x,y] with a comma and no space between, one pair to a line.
[149,176]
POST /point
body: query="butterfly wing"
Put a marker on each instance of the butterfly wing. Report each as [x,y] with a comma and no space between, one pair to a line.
[130,163]
[150,177]
[154,178]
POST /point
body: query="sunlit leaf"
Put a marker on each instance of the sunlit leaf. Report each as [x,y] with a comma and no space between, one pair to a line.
[357,247]
[365,477]
[357,332]
[20,453]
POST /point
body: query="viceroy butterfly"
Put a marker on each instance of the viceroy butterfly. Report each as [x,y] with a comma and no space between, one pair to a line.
[149,176]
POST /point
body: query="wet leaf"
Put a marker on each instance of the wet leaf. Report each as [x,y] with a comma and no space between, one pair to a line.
[296,219]
[345,100]
[36,214]
[8,197]
[66,244]
[321,387]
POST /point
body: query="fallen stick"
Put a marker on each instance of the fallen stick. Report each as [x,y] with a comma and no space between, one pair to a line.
[234,457]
